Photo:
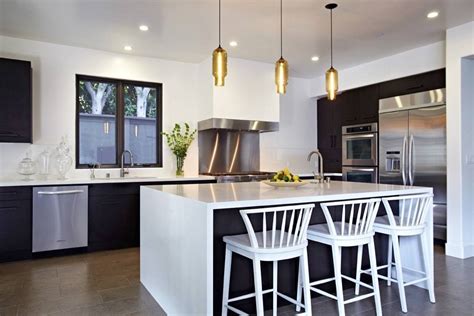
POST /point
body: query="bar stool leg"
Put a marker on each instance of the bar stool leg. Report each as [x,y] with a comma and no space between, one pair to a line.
[275,287]
[257,275]
[307,292]
[360,252]
[375,279]
[389,261]
[398,265]
[427,263]
[336,254]
[300,284]
[227,271]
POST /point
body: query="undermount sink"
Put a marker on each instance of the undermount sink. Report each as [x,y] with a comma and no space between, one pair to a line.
[126,178]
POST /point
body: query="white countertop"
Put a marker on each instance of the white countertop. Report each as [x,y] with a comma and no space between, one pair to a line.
[37,182]
[225,195]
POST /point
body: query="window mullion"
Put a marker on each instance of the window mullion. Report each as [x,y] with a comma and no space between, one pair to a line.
[120,121]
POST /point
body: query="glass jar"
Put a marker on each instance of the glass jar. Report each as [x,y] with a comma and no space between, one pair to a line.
[43,162]
[63,159]
[27,167]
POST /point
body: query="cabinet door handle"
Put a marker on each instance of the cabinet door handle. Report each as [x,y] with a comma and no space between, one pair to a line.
[8,193]
[415,87]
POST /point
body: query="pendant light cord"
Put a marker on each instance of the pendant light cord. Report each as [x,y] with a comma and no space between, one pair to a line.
[331,38]
[219,23]
[281,28]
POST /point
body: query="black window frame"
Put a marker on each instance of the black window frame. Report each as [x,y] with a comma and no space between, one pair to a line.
[120,120]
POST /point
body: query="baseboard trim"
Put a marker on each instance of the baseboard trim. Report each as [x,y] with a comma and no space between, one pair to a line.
[459,250]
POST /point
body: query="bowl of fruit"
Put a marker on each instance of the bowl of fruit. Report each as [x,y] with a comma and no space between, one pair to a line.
[285,179]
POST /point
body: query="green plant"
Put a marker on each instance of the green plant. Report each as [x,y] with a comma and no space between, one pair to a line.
[179,141]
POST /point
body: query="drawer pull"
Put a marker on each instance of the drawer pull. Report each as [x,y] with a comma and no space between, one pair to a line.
[8,208]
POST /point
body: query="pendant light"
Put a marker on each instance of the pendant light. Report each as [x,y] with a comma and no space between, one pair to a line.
[219,59]
[281,65]
[331,75]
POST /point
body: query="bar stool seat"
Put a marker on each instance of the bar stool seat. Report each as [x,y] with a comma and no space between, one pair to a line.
[286,239]
[243,242]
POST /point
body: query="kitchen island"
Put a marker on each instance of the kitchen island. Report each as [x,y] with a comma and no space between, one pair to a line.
[182,252]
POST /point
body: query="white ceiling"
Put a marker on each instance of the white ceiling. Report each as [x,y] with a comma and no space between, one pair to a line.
[186,30]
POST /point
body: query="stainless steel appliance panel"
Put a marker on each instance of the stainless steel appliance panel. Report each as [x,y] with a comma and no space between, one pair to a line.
[60,217]
[427,150]
[360,174]
[360,145]
[413,101]
[226,151]
[420,120]
[393,136]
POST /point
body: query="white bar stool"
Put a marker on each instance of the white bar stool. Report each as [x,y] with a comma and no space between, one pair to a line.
[411,221]
[283,241]
[355,231]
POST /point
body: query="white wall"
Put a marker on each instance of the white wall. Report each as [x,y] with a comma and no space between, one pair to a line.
[249,92]
[415,61]
[460,116]
[290,146]
[54,69]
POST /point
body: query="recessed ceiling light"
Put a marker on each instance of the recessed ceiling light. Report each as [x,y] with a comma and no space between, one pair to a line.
[315,58]
[233,43]
[127,47]
[432,14]
[143,28]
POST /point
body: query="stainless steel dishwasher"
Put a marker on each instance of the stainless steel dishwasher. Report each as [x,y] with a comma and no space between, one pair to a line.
[59,217]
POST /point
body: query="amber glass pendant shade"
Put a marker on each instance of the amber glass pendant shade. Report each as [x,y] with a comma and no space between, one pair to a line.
[219,66]
[281,75]
[332,84]
[332,79]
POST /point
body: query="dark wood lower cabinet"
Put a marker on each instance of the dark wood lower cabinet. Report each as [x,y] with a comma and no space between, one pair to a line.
[114,221]
[114,215]
[15,223]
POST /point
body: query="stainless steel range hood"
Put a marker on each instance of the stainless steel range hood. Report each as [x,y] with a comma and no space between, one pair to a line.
[238,125]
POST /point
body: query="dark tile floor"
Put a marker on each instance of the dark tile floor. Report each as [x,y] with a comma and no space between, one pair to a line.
[107,283]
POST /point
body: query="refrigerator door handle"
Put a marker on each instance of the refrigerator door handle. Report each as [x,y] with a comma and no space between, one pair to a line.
[402,167]
[410,159]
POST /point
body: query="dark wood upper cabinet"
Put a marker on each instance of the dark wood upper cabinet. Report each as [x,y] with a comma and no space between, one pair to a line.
[15,101]
[349,103]
[422,82]
[359,106]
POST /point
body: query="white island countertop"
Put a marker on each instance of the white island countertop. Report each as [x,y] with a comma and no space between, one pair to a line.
[181,229]
[228,195]
[75,181]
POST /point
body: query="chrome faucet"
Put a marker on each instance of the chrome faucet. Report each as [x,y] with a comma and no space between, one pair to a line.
[319,177]
[123,172]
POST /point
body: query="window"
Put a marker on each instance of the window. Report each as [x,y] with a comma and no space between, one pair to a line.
[116,115]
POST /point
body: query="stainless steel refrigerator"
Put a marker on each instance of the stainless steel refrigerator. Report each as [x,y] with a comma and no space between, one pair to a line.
[412,146]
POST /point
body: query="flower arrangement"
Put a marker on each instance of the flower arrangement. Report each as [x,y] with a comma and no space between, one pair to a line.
[179,140]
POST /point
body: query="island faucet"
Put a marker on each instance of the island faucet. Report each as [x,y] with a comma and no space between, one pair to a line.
[320,176]
[123,172]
